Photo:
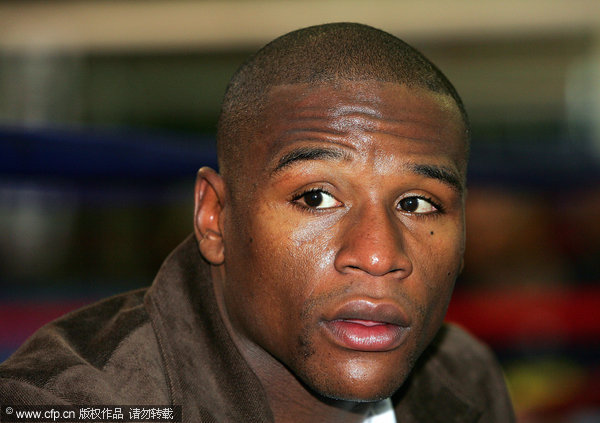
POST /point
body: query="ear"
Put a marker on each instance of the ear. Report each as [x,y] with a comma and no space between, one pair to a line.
[209,195]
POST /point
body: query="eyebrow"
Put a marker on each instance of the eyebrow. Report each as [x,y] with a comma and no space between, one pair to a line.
[440,173]
[309,153]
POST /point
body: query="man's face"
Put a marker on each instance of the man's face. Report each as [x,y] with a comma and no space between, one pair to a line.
[343,243]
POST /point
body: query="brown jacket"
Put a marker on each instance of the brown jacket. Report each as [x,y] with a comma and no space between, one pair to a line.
[167,345]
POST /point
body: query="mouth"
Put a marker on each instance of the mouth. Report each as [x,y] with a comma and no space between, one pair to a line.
[367,326]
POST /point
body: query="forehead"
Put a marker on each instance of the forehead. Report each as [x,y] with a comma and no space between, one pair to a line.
[387,99]
[362,114]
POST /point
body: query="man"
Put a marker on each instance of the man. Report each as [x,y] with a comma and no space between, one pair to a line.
[324,258]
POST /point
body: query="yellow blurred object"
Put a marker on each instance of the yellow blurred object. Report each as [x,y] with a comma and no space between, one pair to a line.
[541,384]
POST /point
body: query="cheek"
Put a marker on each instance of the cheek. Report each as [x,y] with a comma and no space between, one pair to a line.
[439,251]
[268,272]
[438,262]
[288,262]
[312,243]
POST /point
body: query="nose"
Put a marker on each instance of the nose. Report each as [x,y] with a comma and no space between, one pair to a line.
[373,242]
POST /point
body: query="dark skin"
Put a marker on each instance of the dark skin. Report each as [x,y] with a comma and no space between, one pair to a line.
[351,210]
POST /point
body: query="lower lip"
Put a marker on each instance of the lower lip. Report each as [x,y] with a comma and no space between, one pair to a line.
[365,335]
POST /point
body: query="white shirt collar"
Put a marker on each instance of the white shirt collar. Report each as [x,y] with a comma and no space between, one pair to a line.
[381,412]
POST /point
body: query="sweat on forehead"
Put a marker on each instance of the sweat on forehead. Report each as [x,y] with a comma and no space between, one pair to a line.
[319,54]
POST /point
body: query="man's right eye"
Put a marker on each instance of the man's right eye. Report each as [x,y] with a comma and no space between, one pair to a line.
[317,199]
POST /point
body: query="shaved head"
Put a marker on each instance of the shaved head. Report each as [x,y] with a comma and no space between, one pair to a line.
[320,54]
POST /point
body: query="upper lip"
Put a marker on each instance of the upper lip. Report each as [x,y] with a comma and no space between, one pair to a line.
[369,310]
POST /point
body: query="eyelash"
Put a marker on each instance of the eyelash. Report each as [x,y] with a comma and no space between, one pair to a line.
[296,197]
[439,208]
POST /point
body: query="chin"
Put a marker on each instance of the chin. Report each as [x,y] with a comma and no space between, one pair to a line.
[358,395]
[365,388]
[343,375]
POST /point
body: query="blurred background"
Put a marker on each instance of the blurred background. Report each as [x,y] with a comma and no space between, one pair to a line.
[107,109]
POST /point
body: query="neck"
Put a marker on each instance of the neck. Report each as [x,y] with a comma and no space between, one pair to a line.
[289,399]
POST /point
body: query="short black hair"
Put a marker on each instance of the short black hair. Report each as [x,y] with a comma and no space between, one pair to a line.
[320,54]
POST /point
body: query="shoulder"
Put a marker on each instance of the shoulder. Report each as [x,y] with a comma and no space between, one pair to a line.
[103,353]
[461,354]
[469,369]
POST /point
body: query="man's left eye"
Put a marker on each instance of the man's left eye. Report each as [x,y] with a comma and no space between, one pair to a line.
[318,199]
[417,205]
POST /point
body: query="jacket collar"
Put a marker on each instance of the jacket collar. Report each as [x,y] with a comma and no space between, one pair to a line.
[208,376]
[430,394]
